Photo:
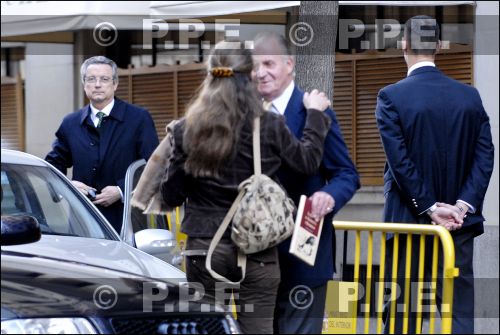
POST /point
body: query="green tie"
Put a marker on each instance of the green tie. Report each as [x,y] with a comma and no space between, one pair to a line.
[100,115]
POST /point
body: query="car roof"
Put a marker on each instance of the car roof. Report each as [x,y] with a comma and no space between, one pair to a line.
[19,157]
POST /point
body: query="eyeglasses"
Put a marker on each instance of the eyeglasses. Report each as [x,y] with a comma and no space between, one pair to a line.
[103,80]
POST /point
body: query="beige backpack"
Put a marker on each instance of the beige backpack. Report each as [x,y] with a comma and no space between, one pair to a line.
[261,215]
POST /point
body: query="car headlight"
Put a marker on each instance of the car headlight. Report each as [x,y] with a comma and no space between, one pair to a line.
[48,326]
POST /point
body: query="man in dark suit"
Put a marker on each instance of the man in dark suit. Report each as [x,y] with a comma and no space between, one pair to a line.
[302,293]
[437,139]
[102,139]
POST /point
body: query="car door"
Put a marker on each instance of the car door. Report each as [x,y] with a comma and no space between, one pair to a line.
[157,235]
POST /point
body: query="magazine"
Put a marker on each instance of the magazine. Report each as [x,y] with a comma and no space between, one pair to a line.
[306,233]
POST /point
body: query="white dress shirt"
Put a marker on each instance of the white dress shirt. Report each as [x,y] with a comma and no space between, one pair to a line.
[419,65]
[280,103]
[106,110]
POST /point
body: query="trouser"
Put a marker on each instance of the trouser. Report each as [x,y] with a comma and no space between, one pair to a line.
[255,296]
[300,310]
[463,288]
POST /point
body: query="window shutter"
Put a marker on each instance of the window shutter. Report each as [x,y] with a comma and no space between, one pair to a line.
[343,103]
[155,92]
[122,90]
[12,109]
[188,83]
[456,65]
[163,90]
[371,76]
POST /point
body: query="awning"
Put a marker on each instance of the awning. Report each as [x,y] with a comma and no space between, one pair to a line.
[192,9]
[34,17]
[406,3]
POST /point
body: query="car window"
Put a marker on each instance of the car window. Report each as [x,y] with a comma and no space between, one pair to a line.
[39,192]
[143,221]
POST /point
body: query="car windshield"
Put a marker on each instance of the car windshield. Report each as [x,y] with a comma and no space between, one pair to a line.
[39,192]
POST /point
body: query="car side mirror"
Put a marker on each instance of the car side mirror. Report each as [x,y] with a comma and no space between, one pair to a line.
[160,243]
[20,229]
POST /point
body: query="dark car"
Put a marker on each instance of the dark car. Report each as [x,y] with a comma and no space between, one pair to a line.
[43,294]
[65,269]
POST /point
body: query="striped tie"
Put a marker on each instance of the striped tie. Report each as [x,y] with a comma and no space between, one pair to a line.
[100,115]
[269,106]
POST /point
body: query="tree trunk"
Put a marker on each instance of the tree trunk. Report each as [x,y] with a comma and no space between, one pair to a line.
[314,35]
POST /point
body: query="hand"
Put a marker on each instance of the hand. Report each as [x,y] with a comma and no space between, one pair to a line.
[108,196]
[322,204]
[447,216]
[316,100]
[82,187]
[459,208]
[444,204]
[463,209]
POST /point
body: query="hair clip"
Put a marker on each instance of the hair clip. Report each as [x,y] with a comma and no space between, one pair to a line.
[222,72]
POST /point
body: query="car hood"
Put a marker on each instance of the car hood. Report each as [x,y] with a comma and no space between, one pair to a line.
[44,287]
[115,255]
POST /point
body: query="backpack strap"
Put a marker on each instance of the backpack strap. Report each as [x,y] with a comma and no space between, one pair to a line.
[256,146]
[242,258]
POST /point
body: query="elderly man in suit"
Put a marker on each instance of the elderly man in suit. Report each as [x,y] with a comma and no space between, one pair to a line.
[302,292]
[102,139]
[437,139]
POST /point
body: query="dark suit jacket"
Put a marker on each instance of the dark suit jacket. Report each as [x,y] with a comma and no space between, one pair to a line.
[128,134]
[336,176]
[437,140]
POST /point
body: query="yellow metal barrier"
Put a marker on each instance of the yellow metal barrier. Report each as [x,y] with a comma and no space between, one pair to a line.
[449,273]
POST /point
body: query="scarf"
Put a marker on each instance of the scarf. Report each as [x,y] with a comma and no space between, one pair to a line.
[147,194]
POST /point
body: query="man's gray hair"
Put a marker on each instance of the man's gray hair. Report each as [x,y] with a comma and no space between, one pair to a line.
[99,60]
[275,38]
